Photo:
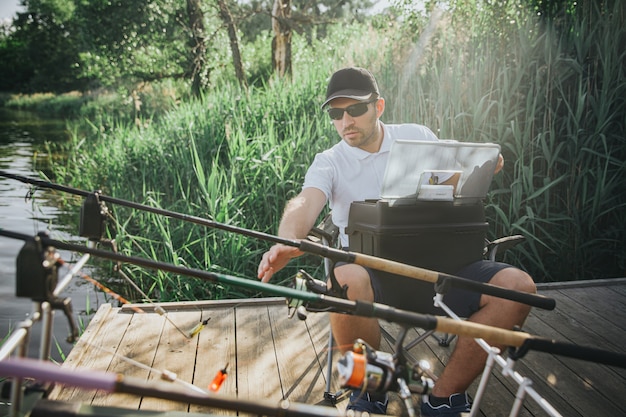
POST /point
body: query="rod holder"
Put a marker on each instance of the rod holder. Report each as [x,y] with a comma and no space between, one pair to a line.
[36,270]
[93,214]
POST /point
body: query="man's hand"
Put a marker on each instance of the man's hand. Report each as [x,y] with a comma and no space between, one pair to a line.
[275,259]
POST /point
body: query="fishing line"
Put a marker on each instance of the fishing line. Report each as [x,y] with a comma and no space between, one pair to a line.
[157,308]
[164,374]
[112,293]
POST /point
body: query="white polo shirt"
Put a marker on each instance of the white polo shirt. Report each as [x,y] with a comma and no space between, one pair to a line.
[346,174]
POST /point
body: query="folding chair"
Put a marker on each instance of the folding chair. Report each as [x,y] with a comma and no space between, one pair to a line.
[327,234]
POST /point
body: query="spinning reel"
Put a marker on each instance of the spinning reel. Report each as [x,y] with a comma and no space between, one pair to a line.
[369,370]
[303,281]
[363,368]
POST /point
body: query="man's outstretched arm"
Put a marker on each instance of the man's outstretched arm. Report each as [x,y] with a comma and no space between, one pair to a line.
[298,219]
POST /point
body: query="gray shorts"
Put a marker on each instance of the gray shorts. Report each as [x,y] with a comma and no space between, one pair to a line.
[417,296]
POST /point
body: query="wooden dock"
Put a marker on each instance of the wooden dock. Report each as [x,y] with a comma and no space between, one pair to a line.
[272,357]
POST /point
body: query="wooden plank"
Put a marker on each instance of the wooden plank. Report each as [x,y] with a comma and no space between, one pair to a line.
[582,324]
[590,388]
[600,283]
[556,378]
[106,329]
[553,375]
[139,343]
[562,388]
[216,349]
[620,290]
[276,358]
[257,371]
[602,302]
[175,353]
[299,367]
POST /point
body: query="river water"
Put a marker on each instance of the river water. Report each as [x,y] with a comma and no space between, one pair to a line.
[22,152]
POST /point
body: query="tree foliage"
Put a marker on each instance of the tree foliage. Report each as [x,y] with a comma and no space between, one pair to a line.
[39,55]
[131,38]
[60,45]
[306,17]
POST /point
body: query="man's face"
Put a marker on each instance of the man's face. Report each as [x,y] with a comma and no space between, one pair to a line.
[361,131]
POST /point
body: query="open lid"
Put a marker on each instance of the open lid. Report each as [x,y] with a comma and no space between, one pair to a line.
[414,163]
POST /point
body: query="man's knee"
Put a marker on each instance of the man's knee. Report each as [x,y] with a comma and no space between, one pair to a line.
[514,279]
[357,279]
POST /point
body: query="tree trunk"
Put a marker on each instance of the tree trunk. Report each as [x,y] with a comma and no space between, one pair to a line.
[281,43]
[227,18]
[199,70]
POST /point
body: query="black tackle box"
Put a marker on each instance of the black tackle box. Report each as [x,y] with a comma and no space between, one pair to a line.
[436,235]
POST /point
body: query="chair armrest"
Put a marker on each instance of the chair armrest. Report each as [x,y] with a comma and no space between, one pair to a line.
[500,245]
[325,231]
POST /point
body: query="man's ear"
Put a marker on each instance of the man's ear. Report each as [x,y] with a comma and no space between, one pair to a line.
[380,106]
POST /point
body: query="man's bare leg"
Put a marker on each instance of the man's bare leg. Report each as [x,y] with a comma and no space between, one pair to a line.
[347,328]
[468,358]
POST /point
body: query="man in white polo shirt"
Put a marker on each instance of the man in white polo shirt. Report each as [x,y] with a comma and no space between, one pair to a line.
[352,170]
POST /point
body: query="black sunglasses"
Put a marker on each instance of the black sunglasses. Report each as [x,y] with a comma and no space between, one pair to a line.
[354,110]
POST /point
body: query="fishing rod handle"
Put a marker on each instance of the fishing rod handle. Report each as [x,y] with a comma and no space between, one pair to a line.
[585,353]
[534,300]
[493,335]
[398,268]
[50,372]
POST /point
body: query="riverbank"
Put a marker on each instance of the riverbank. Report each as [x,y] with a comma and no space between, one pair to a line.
[141,103]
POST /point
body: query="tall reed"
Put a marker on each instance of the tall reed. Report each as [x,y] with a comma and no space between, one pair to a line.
[233,157]
[553,97]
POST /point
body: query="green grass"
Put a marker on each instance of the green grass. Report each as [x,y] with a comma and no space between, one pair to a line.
[553,98]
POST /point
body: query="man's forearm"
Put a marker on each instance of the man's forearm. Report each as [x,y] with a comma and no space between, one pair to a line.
[296,222]
[300,214]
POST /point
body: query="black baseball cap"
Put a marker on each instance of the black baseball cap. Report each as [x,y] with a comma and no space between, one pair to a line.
[353,82]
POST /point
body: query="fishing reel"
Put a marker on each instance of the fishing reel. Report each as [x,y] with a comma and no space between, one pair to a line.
[303,281]
[366,369]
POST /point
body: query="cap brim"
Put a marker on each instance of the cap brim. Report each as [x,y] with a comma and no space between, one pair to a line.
[353,94]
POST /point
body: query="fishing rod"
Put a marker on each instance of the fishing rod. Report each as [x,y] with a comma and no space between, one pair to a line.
[120,383]
[522,340]
[440,279]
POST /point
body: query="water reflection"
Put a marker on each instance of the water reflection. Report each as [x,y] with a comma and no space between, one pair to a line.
[22,150]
